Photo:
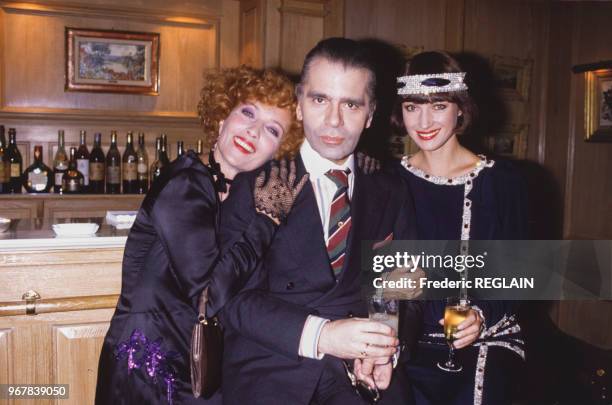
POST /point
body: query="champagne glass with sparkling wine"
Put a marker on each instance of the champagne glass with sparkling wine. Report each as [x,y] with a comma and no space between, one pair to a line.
[455,312]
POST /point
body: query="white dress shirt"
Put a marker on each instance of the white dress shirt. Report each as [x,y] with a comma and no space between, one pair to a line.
[324,189]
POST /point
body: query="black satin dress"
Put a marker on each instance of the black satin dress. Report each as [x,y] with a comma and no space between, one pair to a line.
[170,256]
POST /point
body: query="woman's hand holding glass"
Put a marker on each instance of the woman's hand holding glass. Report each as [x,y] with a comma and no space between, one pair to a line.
[468,330]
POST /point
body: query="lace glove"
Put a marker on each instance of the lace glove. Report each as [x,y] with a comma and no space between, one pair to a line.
[275,197]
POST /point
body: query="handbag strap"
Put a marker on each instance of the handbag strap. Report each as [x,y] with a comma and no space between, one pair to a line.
[202,306]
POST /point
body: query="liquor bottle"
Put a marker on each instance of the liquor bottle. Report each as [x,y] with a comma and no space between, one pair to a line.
[143,165]
[38,178]
[96,166]
[60,162]
[164,144]
[157,165]
[180,151]
[82,158]
[73,181]
[130,167]
[164,151]
[200,147]
[15,163]
[4,164]
[113,167]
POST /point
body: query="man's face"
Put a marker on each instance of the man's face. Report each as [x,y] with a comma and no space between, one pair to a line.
[334,106]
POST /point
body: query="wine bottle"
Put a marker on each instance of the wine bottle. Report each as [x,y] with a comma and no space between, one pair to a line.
[164,151]
[180,151]
[157,165]
[60,162]
[38,178]
[15,163]
[130,167]
[200,147]
[113,167]
[72,181]
[4,164]
[143,165]
[96,166]
[82,158]
[164,146]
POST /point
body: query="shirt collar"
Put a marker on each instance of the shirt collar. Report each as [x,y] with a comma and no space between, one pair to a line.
[317,166]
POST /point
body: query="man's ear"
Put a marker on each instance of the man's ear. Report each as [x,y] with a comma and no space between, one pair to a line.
[298,111]
[371,116]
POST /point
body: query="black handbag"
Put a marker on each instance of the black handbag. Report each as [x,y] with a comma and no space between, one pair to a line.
[206,352]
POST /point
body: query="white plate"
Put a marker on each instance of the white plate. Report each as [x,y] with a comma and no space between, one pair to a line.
[74,230]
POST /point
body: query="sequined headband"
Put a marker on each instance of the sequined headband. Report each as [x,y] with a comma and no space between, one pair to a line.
[434,83]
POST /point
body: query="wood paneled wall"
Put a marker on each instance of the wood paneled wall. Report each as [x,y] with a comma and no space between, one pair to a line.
[194,37]
[579,35]
[279,33]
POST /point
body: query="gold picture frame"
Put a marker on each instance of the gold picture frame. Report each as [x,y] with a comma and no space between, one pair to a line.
[112,61]
[512,76]
[598,106]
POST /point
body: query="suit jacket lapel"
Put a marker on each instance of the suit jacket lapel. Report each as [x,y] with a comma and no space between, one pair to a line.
[308,243]
[367,206]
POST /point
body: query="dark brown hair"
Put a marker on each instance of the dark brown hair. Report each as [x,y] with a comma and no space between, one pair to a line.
[349,53]
[432,63]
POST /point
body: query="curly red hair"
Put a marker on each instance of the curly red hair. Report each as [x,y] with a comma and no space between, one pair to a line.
[224,90]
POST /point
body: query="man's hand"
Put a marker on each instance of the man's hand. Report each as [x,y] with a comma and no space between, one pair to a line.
[468,330]
[357,338]
[375,372]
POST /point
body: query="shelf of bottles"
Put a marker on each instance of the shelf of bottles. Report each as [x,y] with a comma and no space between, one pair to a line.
[81,171]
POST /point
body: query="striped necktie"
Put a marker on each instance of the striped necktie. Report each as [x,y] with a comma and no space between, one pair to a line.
[339,220]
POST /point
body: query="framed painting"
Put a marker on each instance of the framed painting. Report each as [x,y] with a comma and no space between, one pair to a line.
[112,61]
[509,141]
[512,76]
[598,106]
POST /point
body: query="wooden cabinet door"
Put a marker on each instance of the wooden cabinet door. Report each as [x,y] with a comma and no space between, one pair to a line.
[58,348]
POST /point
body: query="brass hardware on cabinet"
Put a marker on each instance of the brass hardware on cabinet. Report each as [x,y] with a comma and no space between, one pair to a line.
[30,298]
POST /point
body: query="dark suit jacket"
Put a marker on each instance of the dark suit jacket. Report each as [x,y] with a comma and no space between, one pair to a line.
[264,322]
[170,254]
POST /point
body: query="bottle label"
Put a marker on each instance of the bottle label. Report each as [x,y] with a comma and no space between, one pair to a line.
[37,180]
[73,185]
[4,172]
[58,178]
[142,169]
[96,171]
[113,175]
[83,167]
[15,170]
[130,171]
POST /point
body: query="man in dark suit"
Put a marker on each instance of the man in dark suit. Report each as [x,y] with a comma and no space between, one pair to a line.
[303,310]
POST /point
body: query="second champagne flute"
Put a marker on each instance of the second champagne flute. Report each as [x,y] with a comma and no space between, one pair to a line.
[455,312]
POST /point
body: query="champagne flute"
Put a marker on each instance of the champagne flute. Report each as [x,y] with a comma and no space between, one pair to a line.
[455,312]
[384,310]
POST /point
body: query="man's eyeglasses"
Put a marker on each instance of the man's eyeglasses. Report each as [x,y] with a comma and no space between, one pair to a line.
[370,395]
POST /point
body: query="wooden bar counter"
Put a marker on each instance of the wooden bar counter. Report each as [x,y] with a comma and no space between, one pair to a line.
[57,296]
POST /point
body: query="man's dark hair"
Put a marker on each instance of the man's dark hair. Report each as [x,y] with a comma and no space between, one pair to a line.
[348,52]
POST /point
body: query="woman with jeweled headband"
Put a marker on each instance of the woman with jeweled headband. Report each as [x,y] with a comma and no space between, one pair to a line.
[458,196]
[172,253]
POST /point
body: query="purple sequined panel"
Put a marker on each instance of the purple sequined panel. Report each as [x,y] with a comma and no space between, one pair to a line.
[147,355]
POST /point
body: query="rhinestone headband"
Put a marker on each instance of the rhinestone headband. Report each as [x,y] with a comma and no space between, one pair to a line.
[435,83]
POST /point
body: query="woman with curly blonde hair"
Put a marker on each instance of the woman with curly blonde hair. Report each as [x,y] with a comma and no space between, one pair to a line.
[172,253]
